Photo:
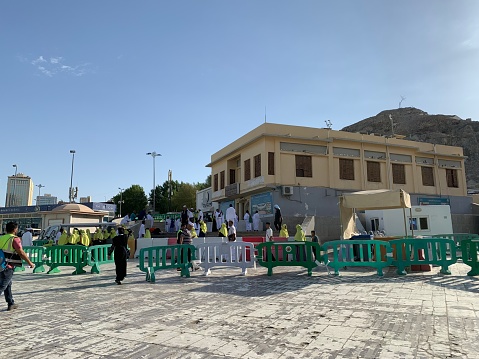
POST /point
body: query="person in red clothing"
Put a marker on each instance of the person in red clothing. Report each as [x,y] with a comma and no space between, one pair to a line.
[12,248]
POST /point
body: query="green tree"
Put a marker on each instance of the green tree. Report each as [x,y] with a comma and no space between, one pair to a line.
[205,184]
[185,195]
[134,200]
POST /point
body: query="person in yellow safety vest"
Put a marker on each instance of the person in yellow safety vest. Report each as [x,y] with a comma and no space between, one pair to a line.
[88,233]
[223,230]
[106,234]
[147,233]
[203,229]
[84,239]
[63,239]
[300,236]
[112,233]
[97,237]
[284,231]
[74,238]
[192,230]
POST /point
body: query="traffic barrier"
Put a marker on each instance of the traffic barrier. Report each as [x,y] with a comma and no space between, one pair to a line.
[232,254]
[255,241]
[423,251]
[37,256]
[367,254]
[66,256]
[41,243]
[302,253]
[470,255]
[166,257]
[457,238]
[98,255]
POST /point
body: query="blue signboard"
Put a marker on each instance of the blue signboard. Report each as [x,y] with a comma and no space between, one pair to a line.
[263,203]
[425,201]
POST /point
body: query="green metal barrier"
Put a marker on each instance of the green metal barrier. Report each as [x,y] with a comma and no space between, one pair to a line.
[436,251]
[98,255]
[457,238]
[470,255]
[357,253]
[37,256]
[166,257]
[41,243]
[274,254]
[66,256]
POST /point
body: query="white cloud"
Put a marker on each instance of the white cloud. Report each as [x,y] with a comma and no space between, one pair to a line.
[56,60]
[39,60]
[56,66]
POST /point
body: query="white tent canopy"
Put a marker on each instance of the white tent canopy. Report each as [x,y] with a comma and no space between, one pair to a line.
[377,199]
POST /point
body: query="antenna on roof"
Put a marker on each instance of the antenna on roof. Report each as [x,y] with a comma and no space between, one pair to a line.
[265,114]
[400,102]
[329,125]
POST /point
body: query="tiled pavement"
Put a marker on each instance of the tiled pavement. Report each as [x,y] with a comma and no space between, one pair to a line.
[288,315]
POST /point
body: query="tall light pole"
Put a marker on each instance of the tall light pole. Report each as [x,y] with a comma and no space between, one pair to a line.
[13,201]
[40,186]
[71,176]
[121,198]
[154,155]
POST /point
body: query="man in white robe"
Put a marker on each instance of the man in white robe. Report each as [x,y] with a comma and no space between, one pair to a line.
[231,214]
[256,221]
[246,219]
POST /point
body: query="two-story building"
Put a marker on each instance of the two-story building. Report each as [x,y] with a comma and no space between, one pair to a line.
[304,170]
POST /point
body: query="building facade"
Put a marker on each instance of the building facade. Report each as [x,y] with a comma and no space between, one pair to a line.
[19,191]
[305,170]
[46,199]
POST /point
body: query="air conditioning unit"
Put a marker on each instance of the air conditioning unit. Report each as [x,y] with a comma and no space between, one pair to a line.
[287,190]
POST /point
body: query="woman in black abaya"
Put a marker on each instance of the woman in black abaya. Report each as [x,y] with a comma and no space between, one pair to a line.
[120,248]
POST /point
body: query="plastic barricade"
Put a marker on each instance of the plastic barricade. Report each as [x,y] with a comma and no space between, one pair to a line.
[423,251]
[231,254]
[41,243]
[457,238]
[66,256]
[302,253]
[342,254]
[37,256]
[255,241]
[156,258]
[98,255]
[470,255]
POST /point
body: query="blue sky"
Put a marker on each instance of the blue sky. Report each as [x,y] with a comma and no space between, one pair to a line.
[114,80]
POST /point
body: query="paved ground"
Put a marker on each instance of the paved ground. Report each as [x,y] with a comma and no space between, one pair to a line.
[288,315]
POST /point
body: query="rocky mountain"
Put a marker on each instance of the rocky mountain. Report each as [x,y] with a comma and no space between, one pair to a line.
[418,125]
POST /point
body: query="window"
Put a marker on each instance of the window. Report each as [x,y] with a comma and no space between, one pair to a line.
[451,176]
[304,166]
[271,163]
[215,182]
[423,223]
[346,169]
[222,179]
[374,171]
[257,165]
[247,170]
[413,224]
[399,174]
[427,176]
[232,176]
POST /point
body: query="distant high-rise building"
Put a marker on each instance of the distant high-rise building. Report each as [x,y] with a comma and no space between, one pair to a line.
[19,191]
[86,199]
[46,199]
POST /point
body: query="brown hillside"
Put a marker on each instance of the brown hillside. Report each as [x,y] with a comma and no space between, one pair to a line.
[418,125]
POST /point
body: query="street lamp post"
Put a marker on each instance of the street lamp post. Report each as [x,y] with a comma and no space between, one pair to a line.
[154,155]
[71,176]
[121,198]
[13,201]
[40,186]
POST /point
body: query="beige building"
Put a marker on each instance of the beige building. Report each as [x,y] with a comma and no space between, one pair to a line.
[288,161]
[19,191]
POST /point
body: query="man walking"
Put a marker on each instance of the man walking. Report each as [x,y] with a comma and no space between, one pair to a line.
[12,248]
[230,214]
[27,238]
